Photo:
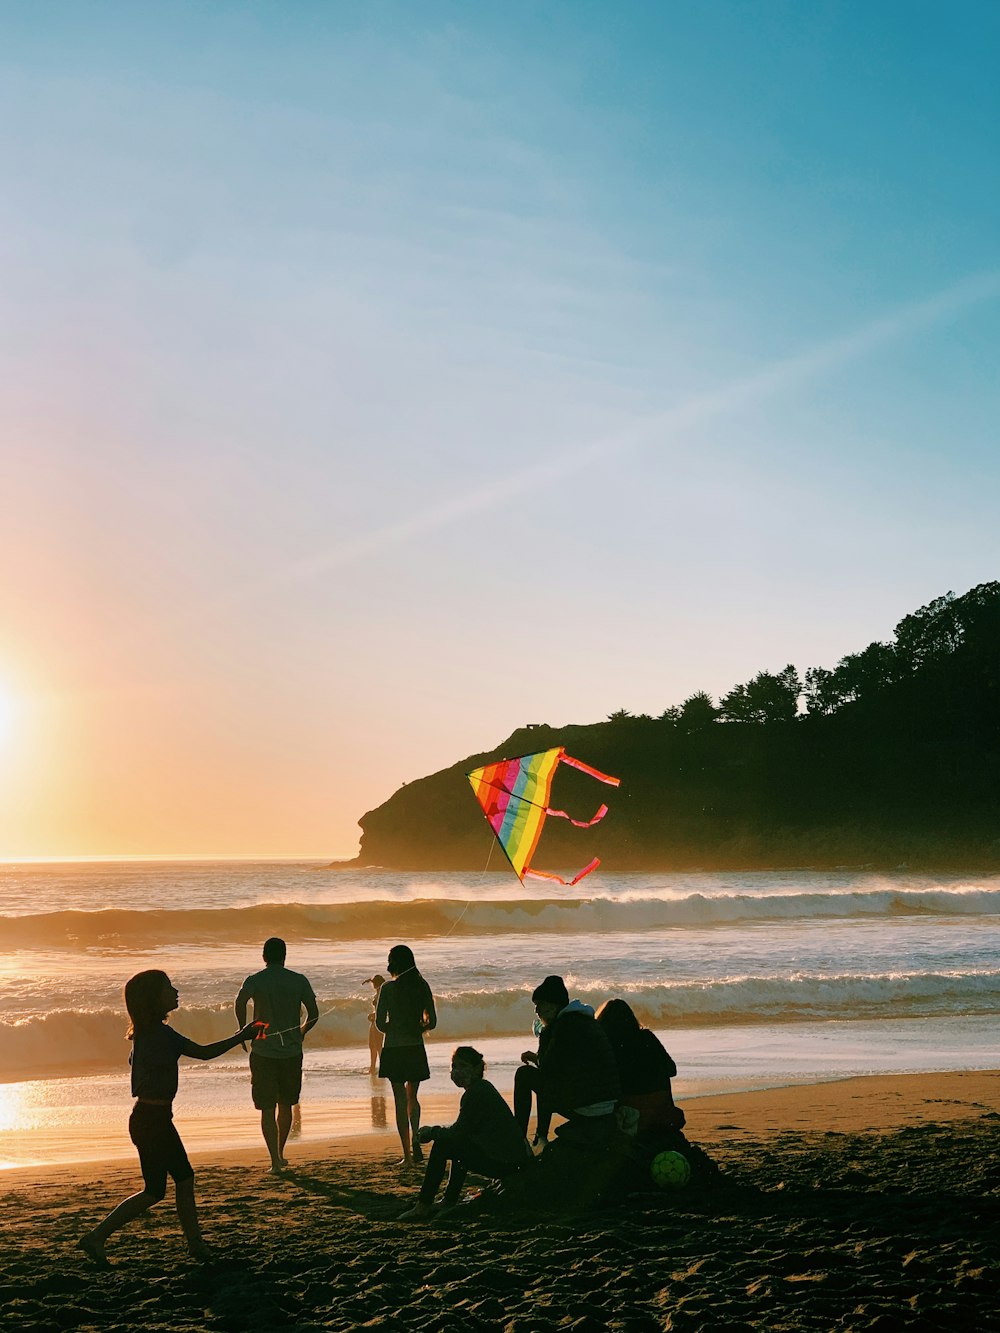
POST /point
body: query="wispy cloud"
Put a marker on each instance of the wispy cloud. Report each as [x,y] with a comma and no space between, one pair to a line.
[669,425]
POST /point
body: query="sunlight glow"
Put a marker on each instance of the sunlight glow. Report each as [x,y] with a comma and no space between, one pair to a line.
[6,715]
[12,1103]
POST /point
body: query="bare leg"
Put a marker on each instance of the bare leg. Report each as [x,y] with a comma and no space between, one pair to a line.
[284,1125]
[413,1112]
[399,1096]
[269,1129]
[187,1211]
[134,1206]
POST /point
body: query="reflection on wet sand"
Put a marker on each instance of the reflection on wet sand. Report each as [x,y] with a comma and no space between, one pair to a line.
[379,1120]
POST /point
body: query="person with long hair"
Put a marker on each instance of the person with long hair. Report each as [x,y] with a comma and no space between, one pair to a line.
[404,1012]
[156,1048]
[644,1067]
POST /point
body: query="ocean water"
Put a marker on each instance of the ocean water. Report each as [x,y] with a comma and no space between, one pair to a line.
[751,979]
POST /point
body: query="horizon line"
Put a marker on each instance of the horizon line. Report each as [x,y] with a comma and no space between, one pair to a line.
[118,858]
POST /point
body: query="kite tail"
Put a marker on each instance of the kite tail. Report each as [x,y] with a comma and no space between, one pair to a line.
[579,823]
[591,772]
[558,879]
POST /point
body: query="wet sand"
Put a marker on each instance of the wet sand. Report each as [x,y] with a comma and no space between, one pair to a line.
[862,1204]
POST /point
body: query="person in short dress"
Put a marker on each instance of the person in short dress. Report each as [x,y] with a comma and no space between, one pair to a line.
[404,1012]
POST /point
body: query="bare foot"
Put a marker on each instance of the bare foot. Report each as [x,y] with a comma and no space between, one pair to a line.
[417,1213]
[94,1250]
[200,1251]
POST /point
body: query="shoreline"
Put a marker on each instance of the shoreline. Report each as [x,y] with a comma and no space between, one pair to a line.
[875,1103]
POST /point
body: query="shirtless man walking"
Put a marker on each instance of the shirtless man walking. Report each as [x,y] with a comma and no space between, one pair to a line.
[278,996]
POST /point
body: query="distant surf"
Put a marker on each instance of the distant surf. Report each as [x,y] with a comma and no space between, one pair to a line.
[417,918]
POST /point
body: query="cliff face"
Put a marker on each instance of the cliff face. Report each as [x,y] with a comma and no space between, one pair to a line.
[889,766]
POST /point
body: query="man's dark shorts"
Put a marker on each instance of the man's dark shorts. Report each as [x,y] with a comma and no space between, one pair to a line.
[275,1082]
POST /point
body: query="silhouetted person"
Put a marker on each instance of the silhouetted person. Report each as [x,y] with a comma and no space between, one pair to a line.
[485,1138]
[156,1048]
[527,1077]
[404,1012]
[526,1087]
[644,1068]
[375,1038]
[279,997]
[577,1075]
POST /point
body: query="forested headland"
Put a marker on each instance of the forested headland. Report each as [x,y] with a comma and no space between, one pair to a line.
[889,759]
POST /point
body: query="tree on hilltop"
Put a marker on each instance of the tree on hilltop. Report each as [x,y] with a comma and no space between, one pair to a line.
[769,697]
[697,712]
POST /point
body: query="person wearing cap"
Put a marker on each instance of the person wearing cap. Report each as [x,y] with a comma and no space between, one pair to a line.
[279,997]
[576,1074]
[376,1039]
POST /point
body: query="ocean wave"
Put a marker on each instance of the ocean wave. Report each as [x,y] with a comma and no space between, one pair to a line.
[428,917]
[69,1041]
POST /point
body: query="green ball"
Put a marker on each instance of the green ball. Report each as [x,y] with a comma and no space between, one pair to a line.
[670,1170]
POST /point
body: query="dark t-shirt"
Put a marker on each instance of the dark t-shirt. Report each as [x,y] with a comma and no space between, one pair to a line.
[279,995]
[644,1065]
[487,1119]
[155,1052]
[577,1066]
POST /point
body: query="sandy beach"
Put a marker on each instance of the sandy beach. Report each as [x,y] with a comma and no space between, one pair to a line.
[869,1203]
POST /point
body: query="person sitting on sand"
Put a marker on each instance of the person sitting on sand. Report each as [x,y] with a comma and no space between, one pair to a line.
[485,1138]
[644,1068]
[577,1074]
[279,997]
[375,1038]
[526,1083]
[404,1012]
[156,1048]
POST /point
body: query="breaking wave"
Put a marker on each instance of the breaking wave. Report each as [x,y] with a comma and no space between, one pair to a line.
[422,918]
[69,1041]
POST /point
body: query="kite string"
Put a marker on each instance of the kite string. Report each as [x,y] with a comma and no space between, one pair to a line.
[490,856]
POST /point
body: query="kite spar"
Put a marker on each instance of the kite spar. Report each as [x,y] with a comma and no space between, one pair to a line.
[514,796]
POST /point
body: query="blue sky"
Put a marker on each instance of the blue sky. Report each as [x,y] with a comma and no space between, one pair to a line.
[380,377]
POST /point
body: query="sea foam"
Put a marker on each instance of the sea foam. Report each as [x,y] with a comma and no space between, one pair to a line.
[421,918]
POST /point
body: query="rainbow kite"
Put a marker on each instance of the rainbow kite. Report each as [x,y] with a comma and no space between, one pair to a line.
[514,795]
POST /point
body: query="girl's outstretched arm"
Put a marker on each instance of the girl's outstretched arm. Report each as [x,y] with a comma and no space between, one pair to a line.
[215,1048]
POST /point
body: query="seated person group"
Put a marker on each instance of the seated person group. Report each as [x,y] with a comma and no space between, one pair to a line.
[600,1072]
